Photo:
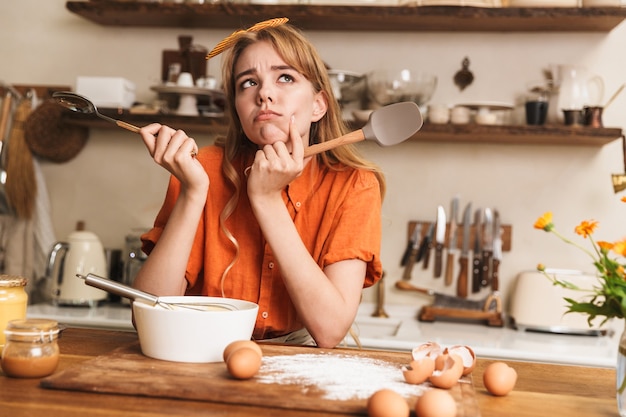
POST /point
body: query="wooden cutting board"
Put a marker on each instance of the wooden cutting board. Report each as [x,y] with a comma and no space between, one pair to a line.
[127,371]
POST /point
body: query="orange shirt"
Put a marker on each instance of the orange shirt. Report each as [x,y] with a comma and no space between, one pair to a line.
[336,213]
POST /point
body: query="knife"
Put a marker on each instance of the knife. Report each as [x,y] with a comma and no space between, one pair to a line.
[415,243]
[462,279]
[426,245]
[487,247]
[497,251]
[452,247]
[440,239]
[477,266]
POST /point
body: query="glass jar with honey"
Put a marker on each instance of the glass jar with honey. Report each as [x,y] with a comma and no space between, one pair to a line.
[31,349]
[13,301]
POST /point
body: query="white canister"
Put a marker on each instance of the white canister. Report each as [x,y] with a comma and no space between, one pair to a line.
[438,113]
[460,115]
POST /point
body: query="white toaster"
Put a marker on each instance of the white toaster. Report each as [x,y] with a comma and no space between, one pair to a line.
[538,305]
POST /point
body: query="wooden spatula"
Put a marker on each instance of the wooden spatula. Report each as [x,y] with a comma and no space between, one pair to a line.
[387,126]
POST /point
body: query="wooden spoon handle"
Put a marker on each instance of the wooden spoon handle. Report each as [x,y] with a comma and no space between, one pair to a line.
[5,114]
[127,126]
[352,137]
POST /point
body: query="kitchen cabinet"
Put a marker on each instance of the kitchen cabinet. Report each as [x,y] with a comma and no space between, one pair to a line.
[470,133]
[351,18]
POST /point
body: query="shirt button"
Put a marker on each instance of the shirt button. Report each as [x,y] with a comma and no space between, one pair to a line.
[264,314]
[270,265]
[298,204]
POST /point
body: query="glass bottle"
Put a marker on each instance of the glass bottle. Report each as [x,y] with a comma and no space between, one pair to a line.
[13,301]
[31,349]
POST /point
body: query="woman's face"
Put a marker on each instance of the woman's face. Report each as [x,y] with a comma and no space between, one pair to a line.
[268,92]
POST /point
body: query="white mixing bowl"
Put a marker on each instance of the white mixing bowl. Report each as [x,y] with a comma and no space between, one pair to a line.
[183,335]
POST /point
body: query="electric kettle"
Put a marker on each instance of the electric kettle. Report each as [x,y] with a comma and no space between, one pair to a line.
[81,253]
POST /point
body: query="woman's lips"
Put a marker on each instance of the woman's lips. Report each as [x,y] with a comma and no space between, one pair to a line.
[266,115]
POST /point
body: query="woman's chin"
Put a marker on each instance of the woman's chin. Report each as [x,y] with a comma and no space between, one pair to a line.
[270,134]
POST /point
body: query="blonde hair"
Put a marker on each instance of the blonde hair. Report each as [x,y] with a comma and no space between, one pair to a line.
[300,54]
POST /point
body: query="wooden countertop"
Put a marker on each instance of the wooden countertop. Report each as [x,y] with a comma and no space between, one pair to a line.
[542,390]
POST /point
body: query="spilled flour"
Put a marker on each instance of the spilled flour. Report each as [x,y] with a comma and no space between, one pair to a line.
[340,377]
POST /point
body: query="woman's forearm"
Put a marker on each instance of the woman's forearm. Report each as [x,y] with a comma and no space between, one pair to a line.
[163,272]
[326,302]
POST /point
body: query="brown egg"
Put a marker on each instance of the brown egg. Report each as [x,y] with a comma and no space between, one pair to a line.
[387,403]
[435,403]
[499,378]
[243,363]
[450,372]
[418,371]
[233,346]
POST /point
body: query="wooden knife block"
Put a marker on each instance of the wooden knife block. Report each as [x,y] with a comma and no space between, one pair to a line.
[491,317]
[432,313]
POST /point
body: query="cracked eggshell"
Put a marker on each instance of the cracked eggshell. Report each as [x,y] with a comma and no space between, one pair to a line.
[448,375]
[418,371]
[468,356]
[429,349]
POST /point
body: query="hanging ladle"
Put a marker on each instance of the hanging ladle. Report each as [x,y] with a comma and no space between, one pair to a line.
[80,104]
[134,294]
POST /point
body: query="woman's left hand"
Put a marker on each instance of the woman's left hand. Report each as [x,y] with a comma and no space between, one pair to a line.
[275,167]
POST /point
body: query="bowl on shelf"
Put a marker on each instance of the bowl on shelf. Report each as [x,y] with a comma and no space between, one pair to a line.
[348,87]
[394,86]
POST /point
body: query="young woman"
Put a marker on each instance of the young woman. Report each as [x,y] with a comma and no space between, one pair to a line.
[251,218]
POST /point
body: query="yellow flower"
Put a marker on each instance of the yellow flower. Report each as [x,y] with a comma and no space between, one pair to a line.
[586,228]
[605,246]
[620,247]
[545,222]
[607,298]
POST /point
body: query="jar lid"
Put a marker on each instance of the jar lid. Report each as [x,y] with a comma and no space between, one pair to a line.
[37,330]
[12,281]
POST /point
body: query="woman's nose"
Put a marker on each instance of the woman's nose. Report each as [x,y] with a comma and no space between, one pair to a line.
[265,95]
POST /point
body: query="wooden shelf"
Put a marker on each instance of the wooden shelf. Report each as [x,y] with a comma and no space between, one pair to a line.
[470,133]
[519,134]
[194,124]
[351,18]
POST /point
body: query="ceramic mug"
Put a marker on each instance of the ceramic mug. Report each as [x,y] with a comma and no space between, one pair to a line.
[185,79]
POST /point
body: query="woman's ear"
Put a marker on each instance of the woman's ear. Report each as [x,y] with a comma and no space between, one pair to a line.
[320,106]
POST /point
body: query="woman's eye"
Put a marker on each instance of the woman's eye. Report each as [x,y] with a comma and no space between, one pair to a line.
[248,83]
[285,78]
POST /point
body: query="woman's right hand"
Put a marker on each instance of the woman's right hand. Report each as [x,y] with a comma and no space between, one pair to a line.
[175,151]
